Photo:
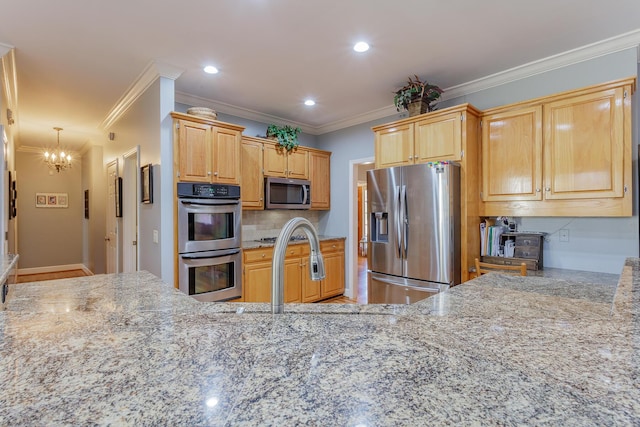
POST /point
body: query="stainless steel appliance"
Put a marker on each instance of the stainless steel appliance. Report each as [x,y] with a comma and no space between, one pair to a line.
[209,240]
[414,224]
[285,193]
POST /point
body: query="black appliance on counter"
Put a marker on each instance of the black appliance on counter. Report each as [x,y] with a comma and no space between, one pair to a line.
[209,241]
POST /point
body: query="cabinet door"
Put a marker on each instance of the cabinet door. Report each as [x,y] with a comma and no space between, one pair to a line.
[275,161]
[438,138]
[256,283]
[584,146]
[194,152]
[320,173]
[333,283]
[251,176]
[512,155]
[394,146]
[310,289]
[226,156]
[292,281]
[298,163]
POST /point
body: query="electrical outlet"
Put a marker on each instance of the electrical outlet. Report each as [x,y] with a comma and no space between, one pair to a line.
[155,236]
[564,235]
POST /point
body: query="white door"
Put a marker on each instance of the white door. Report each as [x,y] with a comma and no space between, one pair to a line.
[111,239]
[130,204]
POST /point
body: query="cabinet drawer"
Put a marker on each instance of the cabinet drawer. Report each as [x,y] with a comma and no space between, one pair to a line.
[528,240]
[332,246]
[257,255]
[527,252]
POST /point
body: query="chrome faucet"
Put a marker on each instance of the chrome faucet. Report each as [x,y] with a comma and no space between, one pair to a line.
[316,263]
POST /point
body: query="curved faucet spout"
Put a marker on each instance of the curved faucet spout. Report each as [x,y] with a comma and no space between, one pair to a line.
[316,263]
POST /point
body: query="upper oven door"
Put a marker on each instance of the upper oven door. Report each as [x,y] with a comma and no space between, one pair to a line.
[208,224]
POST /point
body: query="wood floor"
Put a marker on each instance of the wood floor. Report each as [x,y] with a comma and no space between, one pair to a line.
[360,290]
[25,278]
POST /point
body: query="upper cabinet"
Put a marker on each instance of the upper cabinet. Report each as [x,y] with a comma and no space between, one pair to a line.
[564,155]
[260,157]
[279,162]
[434,136]
[206,150]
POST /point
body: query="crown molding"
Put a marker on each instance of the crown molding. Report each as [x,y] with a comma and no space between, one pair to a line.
[9,77]
[149,75]
[570,57]
[574,56]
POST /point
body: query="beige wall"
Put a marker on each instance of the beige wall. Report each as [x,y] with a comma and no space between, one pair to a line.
[48,236]
[94,228]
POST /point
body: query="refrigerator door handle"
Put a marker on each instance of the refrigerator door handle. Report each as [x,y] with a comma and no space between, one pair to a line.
[405,221]
[398,215]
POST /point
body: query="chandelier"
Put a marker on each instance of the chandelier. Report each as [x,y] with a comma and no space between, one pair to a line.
[57,159]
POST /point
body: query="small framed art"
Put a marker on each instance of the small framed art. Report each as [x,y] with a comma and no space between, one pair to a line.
[118,196]
[146,179]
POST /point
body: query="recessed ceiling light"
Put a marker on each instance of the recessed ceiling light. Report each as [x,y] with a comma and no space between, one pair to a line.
[309,102]
[361,47]
[210,69]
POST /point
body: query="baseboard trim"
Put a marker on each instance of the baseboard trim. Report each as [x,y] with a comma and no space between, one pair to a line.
[54,269]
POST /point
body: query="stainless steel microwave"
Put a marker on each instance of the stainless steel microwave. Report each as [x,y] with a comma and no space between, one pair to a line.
[285,193]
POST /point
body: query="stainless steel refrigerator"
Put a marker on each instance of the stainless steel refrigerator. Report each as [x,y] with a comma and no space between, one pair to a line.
[414,231]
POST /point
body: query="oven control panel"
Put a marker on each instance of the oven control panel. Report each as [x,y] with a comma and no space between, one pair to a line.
[208,191]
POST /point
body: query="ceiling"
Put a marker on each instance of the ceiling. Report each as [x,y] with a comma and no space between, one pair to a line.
[76,60]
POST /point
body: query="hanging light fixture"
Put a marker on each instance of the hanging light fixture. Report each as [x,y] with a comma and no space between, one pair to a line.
[57,159]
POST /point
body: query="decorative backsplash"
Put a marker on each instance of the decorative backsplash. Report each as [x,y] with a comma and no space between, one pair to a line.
[268,223]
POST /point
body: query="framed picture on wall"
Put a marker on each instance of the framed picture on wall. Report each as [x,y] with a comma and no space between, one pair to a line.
[118,196]
[52,200]
[146,179]
[86,204]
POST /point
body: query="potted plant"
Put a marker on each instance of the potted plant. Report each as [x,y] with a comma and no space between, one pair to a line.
[286,135]
[416,96]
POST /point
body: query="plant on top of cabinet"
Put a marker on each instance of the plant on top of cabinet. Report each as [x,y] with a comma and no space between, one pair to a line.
[416,96]
[286,135]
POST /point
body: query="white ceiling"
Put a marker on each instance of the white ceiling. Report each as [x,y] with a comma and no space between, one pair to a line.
[75,60]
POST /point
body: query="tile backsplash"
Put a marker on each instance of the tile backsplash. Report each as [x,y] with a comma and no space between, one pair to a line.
[268,223]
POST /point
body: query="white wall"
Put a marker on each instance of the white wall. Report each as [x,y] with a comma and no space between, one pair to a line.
[142,124]
[595,244]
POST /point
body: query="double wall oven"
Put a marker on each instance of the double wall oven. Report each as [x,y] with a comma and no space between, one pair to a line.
[209,241]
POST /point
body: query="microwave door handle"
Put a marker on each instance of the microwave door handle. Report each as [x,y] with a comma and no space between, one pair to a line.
[305,195]
[210,254]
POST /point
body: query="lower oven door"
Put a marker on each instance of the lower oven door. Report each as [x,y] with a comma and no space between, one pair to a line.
[211,275]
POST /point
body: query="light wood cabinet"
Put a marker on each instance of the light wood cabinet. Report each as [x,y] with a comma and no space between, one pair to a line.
[567,154]
[451,134]
[251,176]
[333,254]
[298,286]
[206,150]
[512,155]
[278,162]
[435,136]
[320,177]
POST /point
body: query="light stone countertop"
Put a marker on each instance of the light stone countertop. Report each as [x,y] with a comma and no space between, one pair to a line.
[252,244]
[500,350]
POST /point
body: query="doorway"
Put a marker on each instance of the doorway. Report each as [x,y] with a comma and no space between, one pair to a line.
[111,239]
[358,228]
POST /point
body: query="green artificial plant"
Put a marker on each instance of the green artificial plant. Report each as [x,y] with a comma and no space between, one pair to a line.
[416,90]
[286,135]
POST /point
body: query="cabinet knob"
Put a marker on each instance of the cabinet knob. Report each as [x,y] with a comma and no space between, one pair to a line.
[548,189]
[215,174]
[209,173]
[537,190]
[263,255]
[410,157]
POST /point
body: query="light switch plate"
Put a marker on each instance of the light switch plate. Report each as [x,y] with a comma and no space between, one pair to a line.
[155,236]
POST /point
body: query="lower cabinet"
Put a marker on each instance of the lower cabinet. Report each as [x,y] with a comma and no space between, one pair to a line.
[298,286]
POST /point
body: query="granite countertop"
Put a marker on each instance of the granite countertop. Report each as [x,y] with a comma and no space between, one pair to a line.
[499,350]
[7,263]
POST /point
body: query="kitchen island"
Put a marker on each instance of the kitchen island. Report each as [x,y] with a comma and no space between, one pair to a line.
[128,349]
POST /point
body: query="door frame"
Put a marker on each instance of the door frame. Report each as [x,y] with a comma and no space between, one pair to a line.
[130,209]
[352,240]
